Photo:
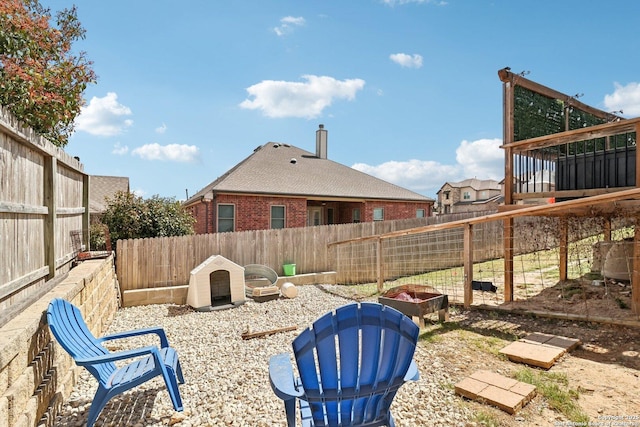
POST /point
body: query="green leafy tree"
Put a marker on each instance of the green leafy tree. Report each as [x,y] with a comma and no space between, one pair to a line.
[131,217]
[41,79]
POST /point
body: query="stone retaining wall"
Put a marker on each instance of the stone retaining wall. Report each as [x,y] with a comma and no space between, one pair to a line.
[36,374]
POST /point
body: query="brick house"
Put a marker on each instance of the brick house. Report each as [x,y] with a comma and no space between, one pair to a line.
[470,195]
[283,186]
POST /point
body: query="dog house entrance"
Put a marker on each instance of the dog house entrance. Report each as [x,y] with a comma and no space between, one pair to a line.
[216,284]
[220,287]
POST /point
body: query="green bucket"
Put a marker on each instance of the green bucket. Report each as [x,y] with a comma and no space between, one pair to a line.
[289,269]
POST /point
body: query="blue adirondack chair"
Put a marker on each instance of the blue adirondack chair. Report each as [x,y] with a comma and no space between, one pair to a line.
[351,363]
[71,331]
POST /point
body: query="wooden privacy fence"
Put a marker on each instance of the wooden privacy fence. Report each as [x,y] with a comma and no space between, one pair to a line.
[168,261]
[43,198]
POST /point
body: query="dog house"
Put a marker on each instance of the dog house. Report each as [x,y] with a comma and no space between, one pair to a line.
[216,284]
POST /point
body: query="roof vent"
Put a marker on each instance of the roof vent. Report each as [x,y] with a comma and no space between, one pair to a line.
[276,145]
[293,161]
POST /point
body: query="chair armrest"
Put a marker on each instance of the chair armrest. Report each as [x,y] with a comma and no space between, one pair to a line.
[136,332]
[412,372]
[119,355]
[282,379]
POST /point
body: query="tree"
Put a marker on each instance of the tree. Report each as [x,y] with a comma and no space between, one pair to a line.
[41,79]
[131,217]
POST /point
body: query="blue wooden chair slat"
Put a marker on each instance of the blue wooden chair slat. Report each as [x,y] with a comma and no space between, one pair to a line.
[351,363]
[71,331]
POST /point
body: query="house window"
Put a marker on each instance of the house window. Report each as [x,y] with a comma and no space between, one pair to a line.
[446,195]
[466,195]
[356,215]
[419,213]
[277,216]
[330,218]
[378,214]
[226,217]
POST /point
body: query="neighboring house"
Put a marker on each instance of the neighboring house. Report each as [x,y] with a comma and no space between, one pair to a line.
[470,195]
[100,189]
[283,186]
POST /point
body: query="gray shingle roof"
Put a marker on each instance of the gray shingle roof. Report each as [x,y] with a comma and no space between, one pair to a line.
[283,169]
[477,184]
[101,187]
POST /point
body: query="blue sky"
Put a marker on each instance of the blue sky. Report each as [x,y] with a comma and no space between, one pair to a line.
[407,89]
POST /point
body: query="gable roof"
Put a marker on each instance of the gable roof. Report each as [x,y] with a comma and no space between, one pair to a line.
[474,183]
[101,187]
[283,169]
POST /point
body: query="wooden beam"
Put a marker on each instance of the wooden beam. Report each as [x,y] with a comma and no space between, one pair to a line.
[19,283]
[637,183]
[70,211]
[8,207]
[596,210]
[507,236]
[507,138]
[379,264]
[591,132]
[50,223]
[568,193]
[468,265]
[607,229]
[635,277]
[250,335]
[566,207]
[564,248]
[86,215]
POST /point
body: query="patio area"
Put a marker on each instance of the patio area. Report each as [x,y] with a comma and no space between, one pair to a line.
[227,381]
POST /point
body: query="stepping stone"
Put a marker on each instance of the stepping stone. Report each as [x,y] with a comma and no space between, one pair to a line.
[497,390]
[541,350]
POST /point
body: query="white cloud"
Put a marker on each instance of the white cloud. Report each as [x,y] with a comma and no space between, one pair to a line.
[625,98]
[161,129]
[483,159]
[288,24]
[417,175]
[407,61]
[172,152]
[299,99]
[139,192]
[104,116]
[119,149]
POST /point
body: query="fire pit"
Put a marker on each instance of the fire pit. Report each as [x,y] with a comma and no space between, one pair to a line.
[416,301]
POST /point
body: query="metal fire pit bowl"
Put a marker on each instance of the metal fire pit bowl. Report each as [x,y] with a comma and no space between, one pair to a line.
[426,301]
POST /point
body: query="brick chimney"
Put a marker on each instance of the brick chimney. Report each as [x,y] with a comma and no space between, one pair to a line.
[321,142]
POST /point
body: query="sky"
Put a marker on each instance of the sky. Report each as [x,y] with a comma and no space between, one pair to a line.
[408,90]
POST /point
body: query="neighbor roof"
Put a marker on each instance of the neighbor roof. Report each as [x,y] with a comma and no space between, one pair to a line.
[476,184]
[102,187]
[283,169]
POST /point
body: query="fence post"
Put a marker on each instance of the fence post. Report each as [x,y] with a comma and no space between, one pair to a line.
[50,222]
[379,265]
[468,264]
[564,247]
[86,215]
[508,259]
[635,278]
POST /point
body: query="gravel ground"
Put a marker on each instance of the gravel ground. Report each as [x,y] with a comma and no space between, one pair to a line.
[226,377]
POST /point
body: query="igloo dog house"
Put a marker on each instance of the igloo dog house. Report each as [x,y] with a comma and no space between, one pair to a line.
[215,284]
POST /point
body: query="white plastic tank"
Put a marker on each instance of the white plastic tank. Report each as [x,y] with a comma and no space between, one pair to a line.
[289,290]
[619,261]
